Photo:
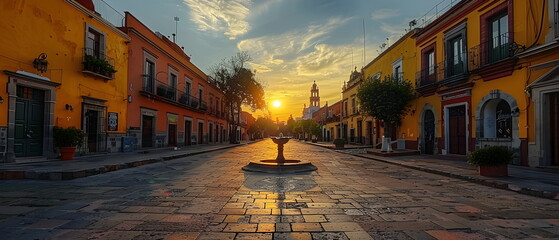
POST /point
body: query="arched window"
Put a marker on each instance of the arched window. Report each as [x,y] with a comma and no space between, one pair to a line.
[503,120]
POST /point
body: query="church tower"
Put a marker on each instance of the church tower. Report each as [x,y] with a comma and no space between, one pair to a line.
[315,99]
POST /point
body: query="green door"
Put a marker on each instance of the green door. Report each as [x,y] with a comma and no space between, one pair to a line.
[29,121]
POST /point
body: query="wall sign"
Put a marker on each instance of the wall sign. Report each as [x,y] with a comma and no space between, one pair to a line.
[113,121]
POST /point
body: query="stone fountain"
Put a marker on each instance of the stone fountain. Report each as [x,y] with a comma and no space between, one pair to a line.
[280,164]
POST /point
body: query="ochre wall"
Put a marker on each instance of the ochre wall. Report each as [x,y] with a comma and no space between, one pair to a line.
[57,28]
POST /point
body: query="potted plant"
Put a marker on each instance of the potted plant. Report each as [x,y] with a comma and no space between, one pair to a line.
[491,161]
[339,142]
[67,139]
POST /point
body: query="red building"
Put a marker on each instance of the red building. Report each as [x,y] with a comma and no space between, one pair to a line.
[171,102]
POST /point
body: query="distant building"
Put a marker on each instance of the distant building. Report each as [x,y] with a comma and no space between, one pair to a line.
[314,103]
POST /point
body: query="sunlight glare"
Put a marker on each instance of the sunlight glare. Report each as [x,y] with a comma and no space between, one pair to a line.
[276,103]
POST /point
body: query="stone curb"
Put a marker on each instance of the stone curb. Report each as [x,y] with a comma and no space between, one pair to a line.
[486,182]
[68,175]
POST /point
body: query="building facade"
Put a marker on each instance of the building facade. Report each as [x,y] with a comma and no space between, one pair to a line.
[486,75]
[328,117]
[173,103]
[396,63]
[83,86]
[355,126]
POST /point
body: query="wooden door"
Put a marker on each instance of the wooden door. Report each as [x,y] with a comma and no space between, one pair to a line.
[29,122]
[172,135]
[428,132]
[554,128]
[187,132]
[457,130]
[147,131]
[92,129]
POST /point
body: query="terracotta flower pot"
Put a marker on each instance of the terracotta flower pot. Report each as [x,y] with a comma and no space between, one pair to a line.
[67,153]
[494,171]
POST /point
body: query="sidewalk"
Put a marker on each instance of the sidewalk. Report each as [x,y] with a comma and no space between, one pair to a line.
[84,166]
[539,182]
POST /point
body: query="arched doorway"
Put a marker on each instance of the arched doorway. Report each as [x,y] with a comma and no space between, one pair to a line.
[428,132]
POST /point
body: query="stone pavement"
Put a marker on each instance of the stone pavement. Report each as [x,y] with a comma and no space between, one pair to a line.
[84,166]
[208,196]
[539,182]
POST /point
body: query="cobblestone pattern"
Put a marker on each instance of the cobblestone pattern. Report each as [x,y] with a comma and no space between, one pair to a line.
[208,196]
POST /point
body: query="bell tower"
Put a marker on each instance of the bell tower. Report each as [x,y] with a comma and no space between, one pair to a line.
[315,98]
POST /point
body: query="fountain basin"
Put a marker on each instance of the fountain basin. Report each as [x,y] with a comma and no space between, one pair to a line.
[272,166]
[280,164]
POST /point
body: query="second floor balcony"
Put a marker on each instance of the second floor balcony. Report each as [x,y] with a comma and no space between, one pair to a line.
[171,94]
[96,63]
[495,57]
[427,80]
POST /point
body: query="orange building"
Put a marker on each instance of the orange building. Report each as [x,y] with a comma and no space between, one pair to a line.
[328,117]
[173,102]
[71,90]
[247,120]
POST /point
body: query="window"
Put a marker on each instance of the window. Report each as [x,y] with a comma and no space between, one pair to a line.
[455,42]
[149,76]
[456,56]
[397,73]
[188,85]
[94,42]
[377,75]
[428,66]
[352,105]
[499,43]
[431,62]
[173,86]
[497,28]
[554,16]
[201,95]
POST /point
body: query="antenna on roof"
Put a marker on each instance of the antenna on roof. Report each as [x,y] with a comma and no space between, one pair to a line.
[176,28]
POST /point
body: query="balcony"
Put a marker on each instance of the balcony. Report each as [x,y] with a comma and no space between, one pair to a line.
[455,70]
[494,58]
[427,80]
[98,64]
[167,93]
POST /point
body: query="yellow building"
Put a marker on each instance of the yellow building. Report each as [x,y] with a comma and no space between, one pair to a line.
[78,88]
[356,127]
[397,62]
[485,74]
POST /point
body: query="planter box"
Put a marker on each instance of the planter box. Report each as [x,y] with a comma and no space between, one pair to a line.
[494,171]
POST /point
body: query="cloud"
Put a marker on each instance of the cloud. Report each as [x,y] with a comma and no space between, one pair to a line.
[381,14]
[274,49]
[325,60]
[294,59]
[228,17]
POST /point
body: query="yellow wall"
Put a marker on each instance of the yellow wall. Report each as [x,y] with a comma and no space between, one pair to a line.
[57,28]
[404,49]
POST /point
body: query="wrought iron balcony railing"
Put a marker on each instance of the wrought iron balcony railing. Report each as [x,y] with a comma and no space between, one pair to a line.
[429,76]
[492,51]
[164,90]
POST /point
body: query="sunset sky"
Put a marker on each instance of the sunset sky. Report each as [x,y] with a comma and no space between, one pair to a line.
[292,42]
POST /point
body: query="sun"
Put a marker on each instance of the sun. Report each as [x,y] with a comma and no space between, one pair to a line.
[276,103]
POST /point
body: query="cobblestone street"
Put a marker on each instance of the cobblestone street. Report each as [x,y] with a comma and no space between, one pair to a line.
[208,196]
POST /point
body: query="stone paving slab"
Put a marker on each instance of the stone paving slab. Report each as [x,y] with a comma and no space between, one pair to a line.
[98,164]
[530,181]
[209,197]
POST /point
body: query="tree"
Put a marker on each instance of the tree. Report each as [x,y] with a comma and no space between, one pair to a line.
[263,127]
[239,86]
[387,100]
